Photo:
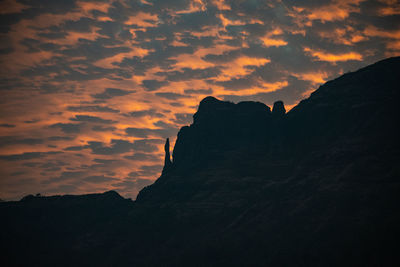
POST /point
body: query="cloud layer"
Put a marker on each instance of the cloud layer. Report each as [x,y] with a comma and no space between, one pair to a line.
[91,89]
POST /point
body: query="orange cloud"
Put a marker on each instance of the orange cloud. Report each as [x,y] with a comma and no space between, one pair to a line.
[259,87]
[20,58]
[194,6]
[392,8]
[146,2]
[177,43]
[104,19]
[329,57]
[392,38]
[86,7]
[108,62]
[347,35]
[314,77]
[227,22]
[389,11]
[193,61]
[273,42]
[11,7]
[393,45]
[375,32]
[208,31]
[270,39]
[73,37]
[338,10]
[143,19]
[240,67]
[221,5]
[196,61]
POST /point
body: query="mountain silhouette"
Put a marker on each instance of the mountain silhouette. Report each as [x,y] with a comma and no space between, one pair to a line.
[246,186]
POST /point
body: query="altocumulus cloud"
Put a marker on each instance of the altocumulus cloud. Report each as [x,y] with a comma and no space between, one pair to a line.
[98,85]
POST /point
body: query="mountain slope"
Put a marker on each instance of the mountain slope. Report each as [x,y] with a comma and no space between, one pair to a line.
[247,186]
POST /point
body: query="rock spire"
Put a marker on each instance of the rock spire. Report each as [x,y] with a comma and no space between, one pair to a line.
[167,160]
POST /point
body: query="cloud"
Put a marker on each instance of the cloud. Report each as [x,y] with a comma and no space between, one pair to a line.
[188,74]
[183,118]
[12,140]
[208,91]
[98,128]
[117,146]
[147,145]
[27,156]
[6,125]
[146,132]
[147,170]
[112,92]
[68,127]
[153,113]
[83,24]
[94,119]
[170,95]
[336,10]
[32,121]
[98,179]
[65,176]
[330,57]
[60,138]
[288,94]
[11,7]
[153,85]
[75,148]
[53,166]
[117,78]
[92,108]
[151,170]
[143,157]
[64,188]
[93,50]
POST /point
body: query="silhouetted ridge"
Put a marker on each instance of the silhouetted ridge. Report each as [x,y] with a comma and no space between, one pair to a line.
[355,104]
[107,196]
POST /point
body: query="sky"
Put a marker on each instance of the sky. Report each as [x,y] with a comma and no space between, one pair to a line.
[91,89]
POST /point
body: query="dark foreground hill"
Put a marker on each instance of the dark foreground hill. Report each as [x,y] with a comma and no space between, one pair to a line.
[247,186]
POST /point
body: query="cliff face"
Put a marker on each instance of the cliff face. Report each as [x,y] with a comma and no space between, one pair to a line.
[353,116]
[247,186]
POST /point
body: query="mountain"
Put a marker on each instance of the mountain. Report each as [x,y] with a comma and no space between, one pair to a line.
[246,186]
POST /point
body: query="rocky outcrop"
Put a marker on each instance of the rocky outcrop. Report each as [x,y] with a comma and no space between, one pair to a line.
[167,159]
[219,127]
[278,134]
[279,109]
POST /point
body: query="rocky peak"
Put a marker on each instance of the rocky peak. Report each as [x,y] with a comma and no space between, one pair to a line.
[217,127]
[210,108]
[279,109]
[209,100]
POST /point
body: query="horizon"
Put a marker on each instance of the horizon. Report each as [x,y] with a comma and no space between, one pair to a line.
[91,90]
